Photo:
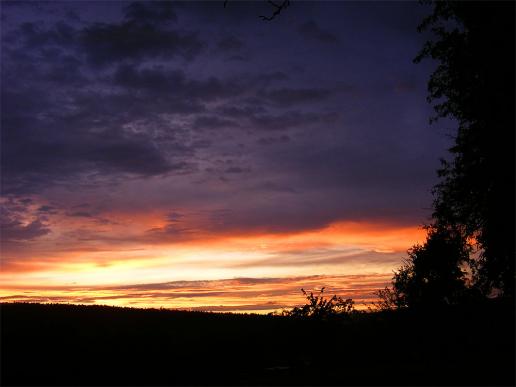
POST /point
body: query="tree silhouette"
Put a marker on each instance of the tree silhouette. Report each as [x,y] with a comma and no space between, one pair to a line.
[432,274]
[474,200]
[474,84]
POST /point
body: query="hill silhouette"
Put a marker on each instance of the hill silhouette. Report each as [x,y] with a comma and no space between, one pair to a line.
[55,344]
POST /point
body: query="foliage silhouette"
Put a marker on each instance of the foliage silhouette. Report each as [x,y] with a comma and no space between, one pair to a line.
[474,200]
[432,274]
[474,84]
[320,307]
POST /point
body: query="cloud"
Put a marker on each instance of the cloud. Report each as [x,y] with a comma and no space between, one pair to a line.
[80,214]
[133,40]
[318,256]
[48,209]
[173,231]
[34,36]
[151,12]
[229,44]
[290,119]
[21,221]
[14,230]
[269,186]
[273,140]
[311,30]
[126,108]
[238,294]
[274,76]
[175,216]
[241,111]
[288,97]
[65,132]
[234,170]
[53,153]
[144,34]
[211,122]
[158,81]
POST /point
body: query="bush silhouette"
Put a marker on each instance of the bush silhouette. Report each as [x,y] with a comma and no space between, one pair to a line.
[321,307]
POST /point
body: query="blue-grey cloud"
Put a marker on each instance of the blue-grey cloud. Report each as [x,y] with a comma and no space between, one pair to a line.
[141,96]
[311,30]
[289,97]
[229,44]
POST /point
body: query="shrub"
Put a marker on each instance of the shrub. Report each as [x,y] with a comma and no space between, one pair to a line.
[321,307]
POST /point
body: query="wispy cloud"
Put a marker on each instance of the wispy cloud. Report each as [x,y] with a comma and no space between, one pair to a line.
[237,295]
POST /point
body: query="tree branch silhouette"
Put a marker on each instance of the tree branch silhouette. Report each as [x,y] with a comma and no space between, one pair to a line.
[277,8]
[277,11]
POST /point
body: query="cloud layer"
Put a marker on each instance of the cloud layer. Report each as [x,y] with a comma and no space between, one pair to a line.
[133,127]
[258,295]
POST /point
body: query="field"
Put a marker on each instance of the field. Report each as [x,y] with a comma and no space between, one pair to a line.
[100,345]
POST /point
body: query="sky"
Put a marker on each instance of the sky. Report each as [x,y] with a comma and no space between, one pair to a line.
[187,155]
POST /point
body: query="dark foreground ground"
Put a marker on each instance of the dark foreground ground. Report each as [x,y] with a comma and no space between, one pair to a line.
[93,345]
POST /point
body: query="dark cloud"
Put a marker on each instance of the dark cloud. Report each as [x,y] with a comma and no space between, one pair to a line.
[273,140]
[20,223]
[37,37]
[269,186]
[55,152]
[151,12]
[135,154]
[175,217]
[48,209]
[172,232]
[13,230]
[289,97]
[82,205]
[229,44]
[241,112]
[144,33]
[236,170]
[137,38]
[212,122]
[126,96]
[290,119]
[311,30]
[80,214]
[238,58]
[64,132]
[158,80]
[275,76]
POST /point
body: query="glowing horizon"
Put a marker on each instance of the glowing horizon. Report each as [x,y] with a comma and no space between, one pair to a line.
[345,249]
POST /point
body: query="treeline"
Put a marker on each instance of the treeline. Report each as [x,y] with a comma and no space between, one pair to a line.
[97,345]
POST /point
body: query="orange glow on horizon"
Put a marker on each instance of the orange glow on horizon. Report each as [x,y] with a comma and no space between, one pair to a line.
[235,295]
[347,248]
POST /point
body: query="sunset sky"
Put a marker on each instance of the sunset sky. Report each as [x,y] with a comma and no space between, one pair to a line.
[188,155]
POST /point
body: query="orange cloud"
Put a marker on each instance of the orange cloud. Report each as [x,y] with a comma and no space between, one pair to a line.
[99,264]
[238,295]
